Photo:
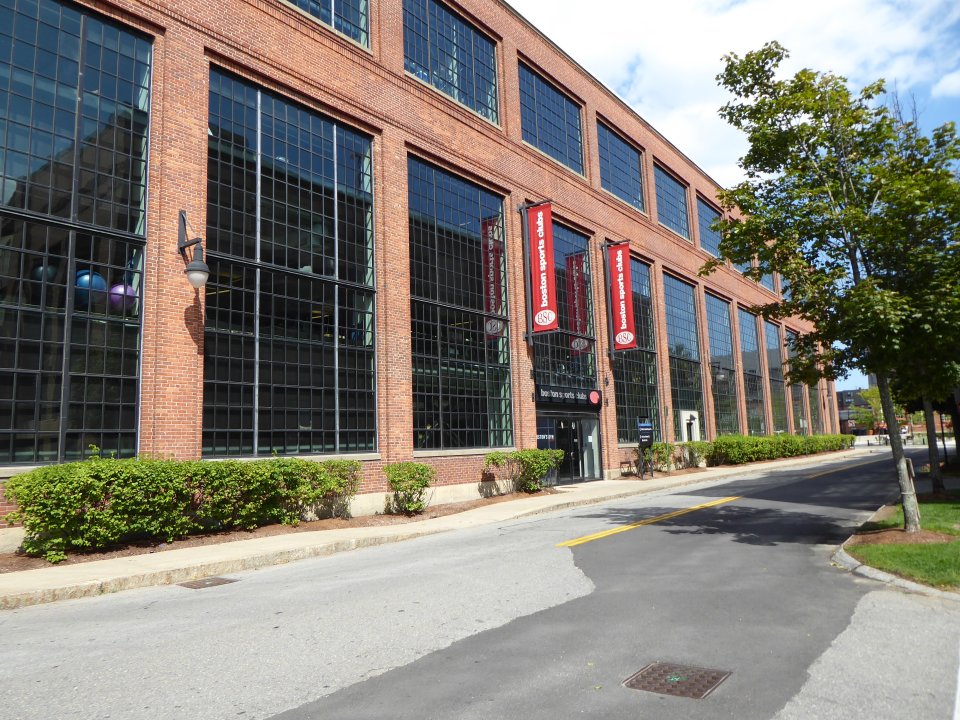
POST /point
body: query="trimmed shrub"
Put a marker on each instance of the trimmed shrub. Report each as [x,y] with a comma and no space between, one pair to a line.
[739,449]
[693,454]
[409,482]
[662,455]
[526,468]
[103,502]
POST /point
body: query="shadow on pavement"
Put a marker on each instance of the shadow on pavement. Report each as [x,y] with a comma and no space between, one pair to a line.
[742,523]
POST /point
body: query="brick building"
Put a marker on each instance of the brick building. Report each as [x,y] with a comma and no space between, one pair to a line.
[356,171]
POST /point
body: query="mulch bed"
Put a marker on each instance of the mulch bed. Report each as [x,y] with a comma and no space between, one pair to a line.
[15,562]
[897,536]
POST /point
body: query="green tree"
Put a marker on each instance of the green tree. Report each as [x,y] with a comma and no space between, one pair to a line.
[864,417]
[836,199]
[871,396]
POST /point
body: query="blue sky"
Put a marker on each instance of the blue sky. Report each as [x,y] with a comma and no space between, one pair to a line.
[662,58]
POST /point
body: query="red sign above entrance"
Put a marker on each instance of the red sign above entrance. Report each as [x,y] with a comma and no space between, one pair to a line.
[621,297]
[542,276]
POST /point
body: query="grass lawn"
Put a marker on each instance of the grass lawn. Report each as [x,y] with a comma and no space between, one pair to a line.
[936,564]
[942,516]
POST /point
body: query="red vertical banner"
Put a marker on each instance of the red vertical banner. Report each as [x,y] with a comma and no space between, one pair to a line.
[621,297]
[492,249]
[577,301]
[543,279]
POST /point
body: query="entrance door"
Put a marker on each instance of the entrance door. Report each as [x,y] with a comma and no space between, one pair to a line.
[579,438]
[568,440]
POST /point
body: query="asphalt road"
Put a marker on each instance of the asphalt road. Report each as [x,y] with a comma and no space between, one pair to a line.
[507,622]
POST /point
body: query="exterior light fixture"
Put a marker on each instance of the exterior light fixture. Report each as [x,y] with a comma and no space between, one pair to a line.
[197,271]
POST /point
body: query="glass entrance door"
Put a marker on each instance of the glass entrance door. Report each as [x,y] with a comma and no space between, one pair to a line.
[579,438]
[568,440]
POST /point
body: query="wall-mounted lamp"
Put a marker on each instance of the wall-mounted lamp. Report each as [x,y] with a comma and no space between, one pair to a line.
[197,271]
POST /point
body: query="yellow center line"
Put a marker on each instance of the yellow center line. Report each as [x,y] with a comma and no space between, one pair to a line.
[846,467]
[678,513]
[648,521]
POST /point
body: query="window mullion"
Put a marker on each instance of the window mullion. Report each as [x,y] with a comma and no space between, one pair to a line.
[256,292]
[336,298]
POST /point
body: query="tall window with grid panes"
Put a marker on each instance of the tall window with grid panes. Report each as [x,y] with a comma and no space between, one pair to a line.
[289,338]
[441,48]
[549,120]
[74,114]
[683,341]
[671,202]
[723,374]
[458,303]
[621,167]
[801,424]
[752,374]
[778,397]
[709,236]
[635,371]
[816,414]
[567,357]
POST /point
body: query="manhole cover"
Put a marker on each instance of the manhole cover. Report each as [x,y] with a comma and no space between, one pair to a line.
[206,582]
[677,680]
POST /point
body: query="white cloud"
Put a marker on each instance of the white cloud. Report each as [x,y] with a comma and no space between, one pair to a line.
[947,86]
[662,58]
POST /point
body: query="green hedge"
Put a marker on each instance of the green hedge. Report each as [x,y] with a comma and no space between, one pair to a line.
[739,449]
[103,502]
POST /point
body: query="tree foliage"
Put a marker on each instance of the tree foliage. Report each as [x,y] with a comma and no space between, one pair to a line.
[858,211]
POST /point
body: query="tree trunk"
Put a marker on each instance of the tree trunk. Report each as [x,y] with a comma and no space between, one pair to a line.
[955,414]
[908,495]
[932,453]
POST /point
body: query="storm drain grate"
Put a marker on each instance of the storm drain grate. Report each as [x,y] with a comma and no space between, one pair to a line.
[677,680]
[206,582]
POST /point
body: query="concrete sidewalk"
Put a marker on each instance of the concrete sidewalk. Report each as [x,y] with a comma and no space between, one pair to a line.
[43,585]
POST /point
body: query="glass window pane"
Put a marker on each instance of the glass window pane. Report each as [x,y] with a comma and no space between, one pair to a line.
[567,357]
[709,238]
[722,367]
[752,375]
[635,371]
[686,384]
[671,202]
[443,49]
[72,150]
[550,120]
[778,398]
[459,330]
[70,302]
[350,17]
[801,424]
[289,340]
[620,167]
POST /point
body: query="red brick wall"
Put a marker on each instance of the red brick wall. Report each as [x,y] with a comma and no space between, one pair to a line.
[284,50]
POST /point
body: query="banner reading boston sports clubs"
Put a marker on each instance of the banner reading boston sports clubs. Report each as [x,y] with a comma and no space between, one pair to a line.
[621,297]
[577,301]
[543,290]
[492,249]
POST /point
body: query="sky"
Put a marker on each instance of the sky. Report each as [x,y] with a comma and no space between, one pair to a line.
[662,58]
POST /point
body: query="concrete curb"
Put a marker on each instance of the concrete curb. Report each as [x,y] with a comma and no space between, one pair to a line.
[841,558]
[195,571]
[108,576]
